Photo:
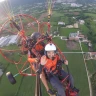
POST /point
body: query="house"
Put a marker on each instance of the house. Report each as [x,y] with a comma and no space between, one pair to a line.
[9,39]
[13,39]
[80,36]
[89,44]
[81,22]
[4,41]
[61,23]
[75,25]
[55,33]
[75,5]
[63,38]
[76,36]
[69,26]
[73,36]
[93,55]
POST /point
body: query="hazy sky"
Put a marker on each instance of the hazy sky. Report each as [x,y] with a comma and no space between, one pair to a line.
[2,0]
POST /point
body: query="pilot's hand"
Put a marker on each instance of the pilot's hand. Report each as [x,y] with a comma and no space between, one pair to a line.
[36,60]
[66,62]
[43,60]
[39,71]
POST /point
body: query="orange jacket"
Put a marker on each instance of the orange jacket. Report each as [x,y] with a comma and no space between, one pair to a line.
[31,60]
[51,64]
[38,48]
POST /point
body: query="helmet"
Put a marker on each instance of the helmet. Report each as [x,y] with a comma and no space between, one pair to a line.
[35,35]
[50,47]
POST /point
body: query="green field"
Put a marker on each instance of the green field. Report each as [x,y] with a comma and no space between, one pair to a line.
[25,86]
[90,14]
[85,47]
[62,45]
[84,29]
[91,66]
[77,69]
[67,31]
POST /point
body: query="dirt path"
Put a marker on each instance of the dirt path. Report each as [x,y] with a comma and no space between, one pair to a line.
[88,76]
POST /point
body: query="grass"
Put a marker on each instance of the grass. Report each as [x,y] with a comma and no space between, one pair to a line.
[4,83]
[64,19]
[10,89]
[67,31]
[85,47]
[90,14]
[11,47]
[54,23]
[55,18]
[59,43]
[62,45]
[84,29]
[91,66]
[77,69]
[25,86]
[57,14]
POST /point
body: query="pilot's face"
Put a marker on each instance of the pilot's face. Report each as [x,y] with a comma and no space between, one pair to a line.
[50,54]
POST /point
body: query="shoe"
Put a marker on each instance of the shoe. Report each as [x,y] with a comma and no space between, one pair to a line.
[75,89]
[73,93]
[51,92]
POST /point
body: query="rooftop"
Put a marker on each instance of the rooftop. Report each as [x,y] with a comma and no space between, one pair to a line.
[73,34]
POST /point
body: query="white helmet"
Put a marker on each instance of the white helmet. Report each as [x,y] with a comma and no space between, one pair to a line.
[50,47]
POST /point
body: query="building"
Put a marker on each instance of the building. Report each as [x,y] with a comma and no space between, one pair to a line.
[69,26]
[64,38]
[75,5]
[61,23]
[93,55]
[73,36]
[13,39]
[89,44]
[4,41]
[76,36]
[76,25]
[7,40]
[81,22]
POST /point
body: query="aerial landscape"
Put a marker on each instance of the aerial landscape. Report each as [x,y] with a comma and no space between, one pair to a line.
[68,24]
